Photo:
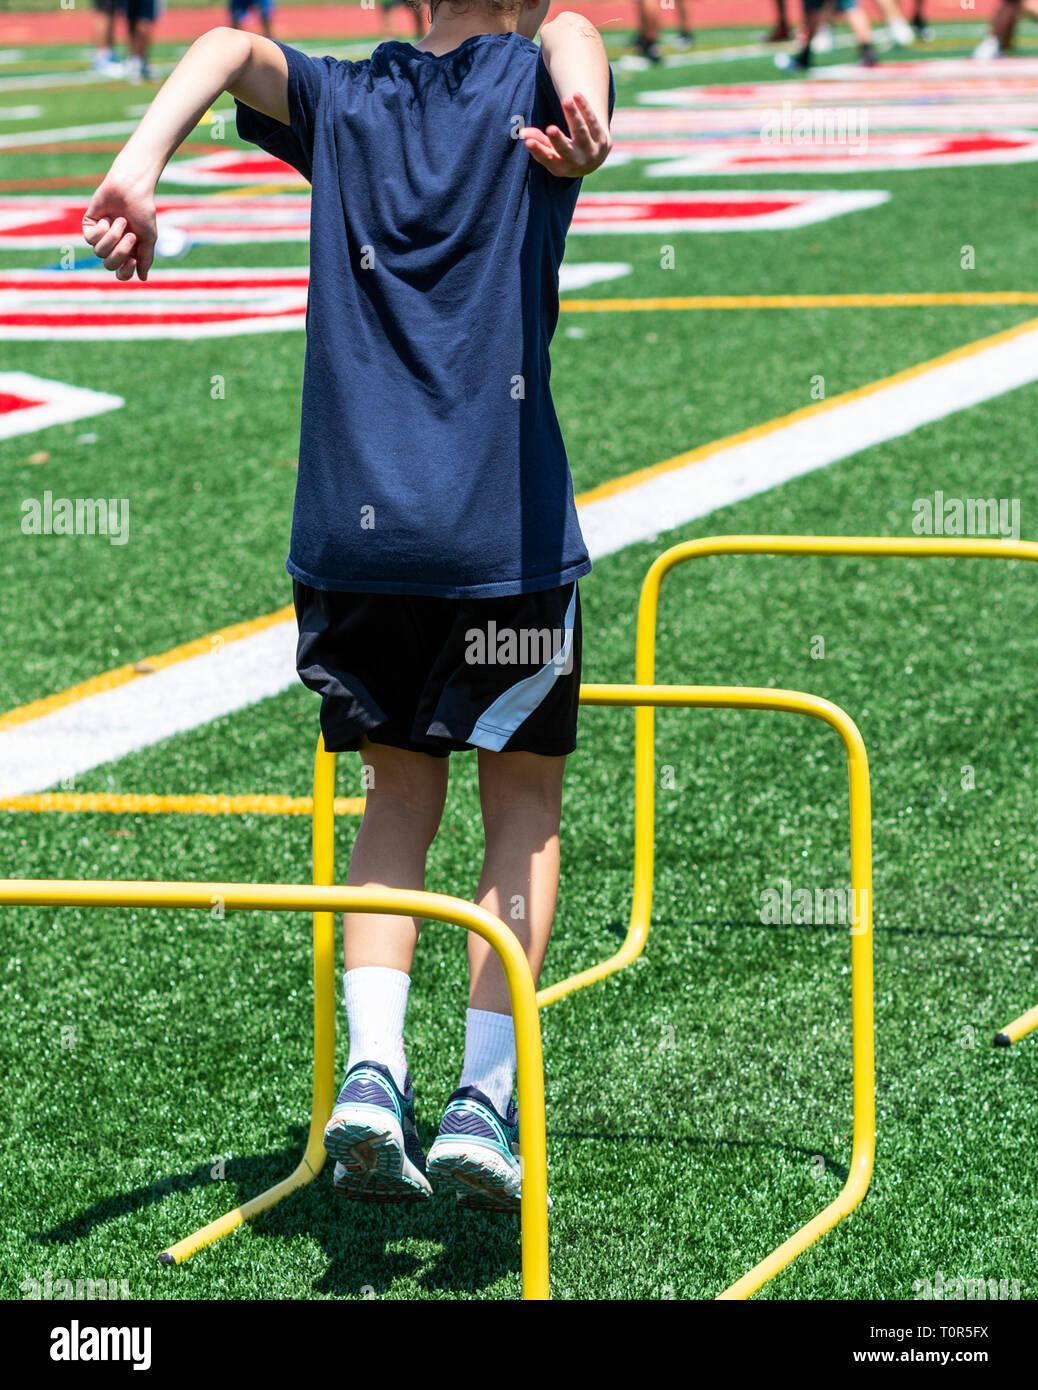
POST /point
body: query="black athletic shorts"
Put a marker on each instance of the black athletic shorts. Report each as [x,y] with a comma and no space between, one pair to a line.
[438,675]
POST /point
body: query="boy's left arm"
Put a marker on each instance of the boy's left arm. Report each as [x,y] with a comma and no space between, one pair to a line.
[120,222]
[575,58]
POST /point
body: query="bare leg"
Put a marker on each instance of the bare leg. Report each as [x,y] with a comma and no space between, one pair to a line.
[999,38]
[891,11]
[521,799]
[140,38]
[1003,26]
[649,21]
[405,801]
[858,22]
[104,29]
[813,21]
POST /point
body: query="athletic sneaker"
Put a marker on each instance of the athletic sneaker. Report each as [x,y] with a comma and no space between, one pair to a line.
[781,33]
[989,47]
[823,41]
[138,69]
[106,63]
[902,33]
[373,1137]
[476,1152]
[683,39]
[652,51]
[794,62]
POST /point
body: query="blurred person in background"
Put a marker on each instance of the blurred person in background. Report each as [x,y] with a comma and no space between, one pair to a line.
[140,20]
[900,30]
[923,32]
[816,12]
[264,13]
[684,37]
[106,60]
[650,26]
[782,31]
[999,38]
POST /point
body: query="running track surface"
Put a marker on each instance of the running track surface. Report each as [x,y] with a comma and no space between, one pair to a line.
[21,29]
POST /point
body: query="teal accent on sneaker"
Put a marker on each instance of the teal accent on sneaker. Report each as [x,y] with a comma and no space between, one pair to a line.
[373,1138]
[476,1153]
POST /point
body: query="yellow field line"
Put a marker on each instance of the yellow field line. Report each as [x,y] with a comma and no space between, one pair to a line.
[705,451]
[253,190]
[963,298]
[199,804]
[108,680]
[135,670]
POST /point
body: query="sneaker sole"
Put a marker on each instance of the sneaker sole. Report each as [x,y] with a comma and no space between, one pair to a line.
[482,1178]
[369,1144]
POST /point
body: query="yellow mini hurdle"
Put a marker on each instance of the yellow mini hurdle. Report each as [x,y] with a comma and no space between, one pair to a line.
[324,901]
[645,674]
[723,697]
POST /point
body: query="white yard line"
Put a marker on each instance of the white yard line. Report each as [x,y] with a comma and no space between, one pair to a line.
[70,132]
[100,727]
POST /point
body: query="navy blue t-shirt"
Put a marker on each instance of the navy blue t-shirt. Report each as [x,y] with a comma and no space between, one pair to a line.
[431,459]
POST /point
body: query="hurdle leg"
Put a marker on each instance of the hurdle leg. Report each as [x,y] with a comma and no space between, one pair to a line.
[863,1059]
[1018,1029]
[863,1147]
[323,1094]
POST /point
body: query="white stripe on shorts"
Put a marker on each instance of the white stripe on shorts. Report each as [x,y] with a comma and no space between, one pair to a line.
[496,725]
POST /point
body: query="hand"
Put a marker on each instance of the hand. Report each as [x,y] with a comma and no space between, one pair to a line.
[565,157]
[120,226]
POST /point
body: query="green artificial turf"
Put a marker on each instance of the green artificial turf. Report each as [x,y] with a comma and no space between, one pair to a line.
[699,1104]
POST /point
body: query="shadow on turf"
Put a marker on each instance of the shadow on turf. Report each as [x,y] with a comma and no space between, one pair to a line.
[697,1141]
[365,1245]
[833,928]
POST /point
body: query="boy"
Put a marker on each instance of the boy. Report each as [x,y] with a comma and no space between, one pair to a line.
[434,510]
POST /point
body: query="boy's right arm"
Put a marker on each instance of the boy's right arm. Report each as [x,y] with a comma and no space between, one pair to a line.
[120,222]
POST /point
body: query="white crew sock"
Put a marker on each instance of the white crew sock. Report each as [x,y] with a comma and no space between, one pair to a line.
[376,1002]
[490,1056]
